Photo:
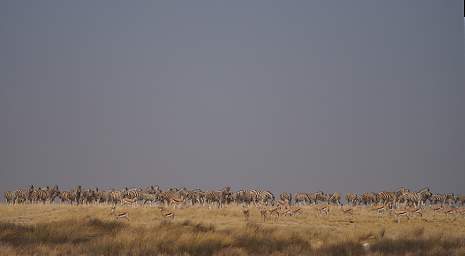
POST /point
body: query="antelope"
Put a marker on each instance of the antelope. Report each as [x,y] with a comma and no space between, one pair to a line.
[400,213]
[348,211]
[275,211]
[416,211]
[323,210]
[166,213]
[264,213]
[246,213]
[121,215]
[380,209]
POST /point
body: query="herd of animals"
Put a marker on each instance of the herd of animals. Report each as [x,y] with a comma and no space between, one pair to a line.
[402,202]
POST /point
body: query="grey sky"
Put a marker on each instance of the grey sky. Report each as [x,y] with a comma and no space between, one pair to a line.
[283,95]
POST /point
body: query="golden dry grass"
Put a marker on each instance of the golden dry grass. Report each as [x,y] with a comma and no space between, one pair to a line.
[91,230]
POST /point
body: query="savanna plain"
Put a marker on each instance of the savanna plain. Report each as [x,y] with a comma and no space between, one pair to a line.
[59,229]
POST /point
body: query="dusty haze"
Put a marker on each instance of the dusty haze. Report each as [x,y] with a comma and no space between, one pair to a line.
[282,95]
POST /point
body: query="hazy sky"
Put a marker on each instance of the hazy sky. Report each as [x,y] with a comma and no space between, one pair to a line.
[282,95]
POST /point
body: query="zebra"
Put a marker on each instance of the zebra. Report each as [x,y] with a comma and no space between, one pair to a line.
[301,198]
[417,199]
[9,197]
[387,198]
[116,197]
[352,199]
[23,195]
[335,198]
[285,196]
[195,196]
[460,199]
[67,196]
[319,197]
[369,198]
[221,197]
[244,197]
[442,199]
[45,194]
[171,197]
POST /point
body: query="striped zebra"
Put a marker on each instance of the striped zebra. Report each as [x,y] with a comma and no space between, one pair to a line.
[195,196]
[116,196]
[221,197]
[23,195]
[171,197]
[67,197]
[442,199]
[460,199]
[45,194]
[352,199]
[285,196]
[265,197]
[369,198]
[387,198]
[334,198]
[416,199]
[301,198]
[9,197]
[245,197]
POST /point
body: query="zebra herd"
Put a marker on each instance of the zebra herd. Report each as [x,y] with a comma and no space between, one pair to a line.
[219,198]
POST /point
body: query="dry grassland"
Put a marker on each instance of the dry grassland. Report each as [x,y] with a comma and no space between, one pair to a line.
[92,230]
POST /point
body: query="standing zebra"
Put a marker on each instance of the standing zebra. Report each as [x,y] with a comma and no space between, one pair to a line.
[9,197]
[23,195]
[387,198]
[352,199]
[301,198]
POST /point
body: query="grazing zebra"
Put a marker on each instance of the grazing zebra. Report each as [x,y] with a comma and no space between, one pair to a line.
[9,197]
[369,198]
[285,196]
[352,199]
[45,194]
[416,199]
[77,194]
[442,199]
[132,193]
[23,195]
[263,197]
[460,199]
[301,198]
[66,197]
[172,197]
[335,198]
[116,197]
[245,197]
